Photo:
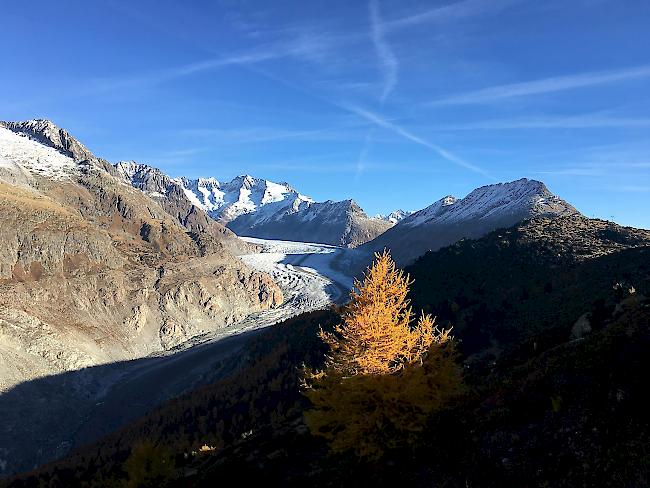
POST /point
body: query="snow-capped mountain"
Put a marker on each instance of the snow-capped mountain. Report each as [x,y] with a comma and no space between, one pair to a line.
[261,208]
[395,216]
[23,156]
[483,210]
[243,195]
[523,196]
[340,223]
[256,207]
[223,201]
[48,134]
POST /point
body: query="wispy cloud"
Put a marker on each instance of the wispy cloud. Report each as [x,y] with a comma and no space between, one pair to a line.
[172,157]
[153,78]
[345,131]
[587,121]
[306,43]
[453,11]
[632,188]
[363,154]
[544,85]
[609,167]
[332,166]
[387,60]
[572,172]
[442,152]
[304,47]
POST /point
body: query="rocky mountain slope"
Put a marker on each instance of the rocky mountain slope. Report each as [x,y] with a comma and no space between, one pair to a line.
[260,208]
[338,223]
[579,395]
[48,134]
[483,210]
[173,197]
[93,270]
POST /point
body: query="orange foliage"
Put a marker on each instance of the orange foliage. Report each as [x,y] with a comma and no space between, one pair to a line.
[383,377]
[376,336]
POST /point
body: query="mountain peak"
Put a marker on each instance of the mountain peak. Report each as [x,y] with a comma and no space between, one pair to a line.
[521,185]
[447,200]
[482,210]
[48,133]
[209,181]
[395,216]
[525,197]
[246,181]
[130,168]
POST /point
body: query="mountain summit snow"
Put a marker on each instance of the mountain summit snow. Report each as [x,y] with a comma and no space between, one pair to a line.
[483,210]
[47,133]
[395,216]
[243,195]
[257,207]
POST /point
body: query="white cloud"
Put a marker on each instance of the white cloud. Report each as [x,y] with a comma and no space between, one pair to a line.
[544,85]
[387,60]
[453,11]
[587,121]
[442,152]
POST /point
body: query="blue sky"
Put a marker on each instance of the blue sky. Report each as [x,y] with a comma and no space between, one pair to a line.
[394,104]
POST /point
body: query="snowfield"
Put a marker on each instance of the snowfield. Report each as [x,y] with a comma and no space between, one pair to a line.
[37,158]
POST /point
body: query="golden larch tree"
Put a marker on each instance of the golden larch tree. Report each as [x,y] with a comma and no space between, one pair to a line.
[384,375]
[377,336]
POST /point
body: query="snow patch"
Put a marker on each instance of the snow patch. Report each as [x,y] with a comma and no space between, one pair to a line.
[35,157]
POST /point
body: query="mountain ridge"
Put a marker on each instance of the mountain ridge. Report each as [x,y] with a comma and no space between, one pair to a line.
[47,132]
[261,208]
[257,207]
[484,209]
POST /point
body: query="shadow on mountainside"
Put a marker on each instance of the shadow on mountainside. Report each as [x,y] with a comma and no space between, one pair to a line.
[257,388]
[501,293]
[46,418]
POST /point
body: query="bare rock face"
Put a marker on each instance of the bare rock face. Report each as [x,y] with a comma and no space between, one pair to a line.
[94,271]
[171,196]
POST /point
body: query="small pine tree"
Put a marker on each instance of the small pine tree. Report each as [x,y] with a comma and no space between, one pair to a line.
[383,376]
[148,466]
